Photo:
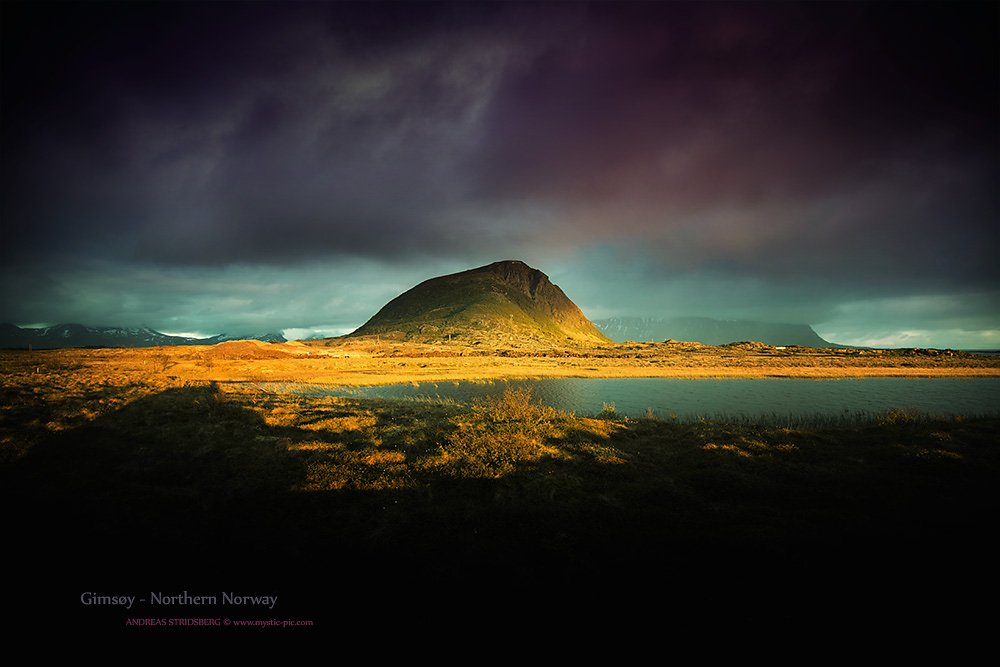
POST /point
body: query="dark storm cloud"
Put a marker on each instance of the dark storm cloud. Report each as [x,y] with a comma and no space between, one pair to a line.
[218,133]
[770,97]
[794,156]
[767,138]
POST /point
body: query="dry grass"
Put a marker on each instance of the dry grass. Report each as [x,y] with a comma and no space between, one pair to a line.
[498,434]
[88,373]
[133,467]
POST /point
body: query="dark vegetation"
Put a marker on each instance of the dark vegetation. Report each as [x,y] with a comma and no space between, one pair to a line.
[505,510]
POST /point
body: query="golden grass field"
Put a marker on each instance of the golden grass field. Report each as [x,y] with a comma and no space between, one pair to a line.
[78,385]
[367,362]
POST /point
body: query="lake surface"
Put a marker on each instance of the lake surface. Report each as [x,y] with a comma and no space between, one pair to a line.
[765,397]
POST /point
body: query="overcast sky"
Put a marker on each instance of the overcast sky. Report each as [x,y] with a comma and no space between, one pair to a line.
[226,167]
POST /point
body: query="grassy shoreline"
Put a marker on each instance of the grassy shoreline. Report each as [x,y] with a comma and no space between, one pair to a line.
[366,363]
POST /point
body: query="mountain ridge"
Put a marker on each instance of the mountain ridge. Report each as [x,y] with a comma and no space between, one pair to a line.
[71,335]
[710,331]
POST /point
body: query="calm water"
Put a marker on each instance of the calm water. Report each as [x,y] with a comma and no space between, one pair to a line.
[730,397]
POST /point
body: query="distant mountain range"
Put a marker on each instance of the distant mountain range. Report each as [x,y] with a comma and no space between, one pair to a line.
[78,335]
[708,331]
[504,302]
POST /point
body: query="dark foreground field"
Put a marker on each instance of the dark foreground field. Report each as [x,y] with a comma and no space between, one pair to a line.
[423,519]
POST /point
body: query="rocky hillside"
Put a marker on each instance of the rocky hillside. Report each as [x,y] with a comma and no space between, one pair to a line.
[504,302]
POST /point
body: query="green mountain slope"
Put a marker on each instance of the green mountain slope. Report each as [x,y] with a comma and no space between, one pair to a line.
[500,303]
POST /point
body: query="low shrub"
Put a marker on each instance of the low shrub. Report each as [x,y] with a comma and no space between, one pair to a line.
[496,434]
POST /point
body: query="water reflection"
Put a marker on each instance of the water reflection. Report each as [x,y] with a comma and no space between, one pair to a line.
[635,397]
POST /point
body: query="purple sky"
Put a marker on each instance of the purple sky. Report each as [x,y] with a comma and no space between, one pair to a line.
[242,167]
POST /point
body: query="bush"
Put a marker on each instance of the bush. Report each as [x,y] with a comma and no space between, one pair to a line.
[498,433]
[895,416]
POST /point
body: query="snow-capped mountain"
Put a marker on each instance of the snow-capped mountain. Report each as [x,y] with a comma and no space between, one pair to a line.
[78,335]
